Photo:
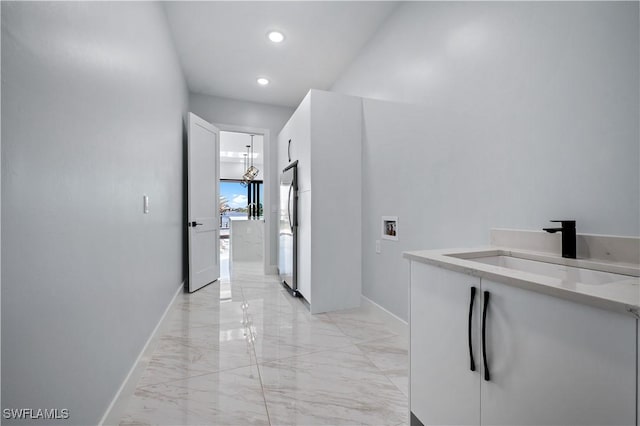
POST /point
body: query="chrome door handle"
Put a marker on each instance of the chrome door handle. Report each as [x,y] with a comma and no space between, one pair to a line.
[289,206]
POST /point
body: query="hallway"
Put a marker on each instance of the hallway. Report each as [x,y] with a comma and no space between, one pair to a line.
[242,351]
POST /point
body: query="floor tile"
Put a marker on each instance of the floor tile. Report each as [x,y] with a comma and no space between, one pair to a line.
[360,325]
[282,339]
[337,387]
[391,356]
[232,397]
[207,351]
[183,318]
[242,351]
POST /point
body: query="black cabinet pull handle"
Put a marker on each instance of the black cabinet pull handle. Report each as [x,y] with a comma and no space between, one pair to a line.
[473,297]
[487,376]
[194,224]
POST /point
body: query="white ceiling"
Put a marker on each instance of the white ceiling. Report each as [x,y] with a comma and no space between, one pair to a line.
[223,45]
[233,146]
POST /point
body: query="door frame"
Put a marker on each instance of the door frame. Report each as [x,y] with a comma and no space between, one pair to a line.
[269,268]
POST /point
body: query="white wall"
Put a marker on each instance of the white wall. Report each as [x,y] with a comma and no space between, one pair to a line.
[241,113]
[529,112]
[250,114]
[336,202]
[93,101]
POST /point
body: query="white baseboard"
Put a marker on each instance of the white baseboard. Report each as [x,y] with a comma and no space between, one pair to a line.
[125,384]
[399,325]
[385,310]
[271,270]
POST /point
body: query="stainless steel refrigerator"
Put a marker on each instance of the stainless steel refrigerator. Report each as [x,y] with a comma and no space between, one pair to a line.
[288,229]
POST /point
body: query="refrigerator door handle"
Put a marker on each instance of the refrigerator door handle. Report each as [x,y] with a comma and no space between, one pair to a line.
[289,207]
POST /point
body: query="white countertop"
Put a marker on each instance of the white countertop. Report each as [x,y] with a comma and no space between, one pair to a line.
[622,296]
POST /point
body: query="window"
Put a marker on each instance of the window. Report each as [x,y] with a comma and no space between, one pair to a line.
[240,201]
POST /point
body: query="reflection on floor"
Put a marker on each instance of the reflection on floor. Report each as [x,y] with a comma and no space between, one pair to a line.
[225,254]
[242,351]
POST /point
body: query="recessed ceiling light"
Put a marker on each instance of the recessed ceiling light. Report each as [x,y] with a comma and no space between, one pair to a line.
[263,81]
[275,36]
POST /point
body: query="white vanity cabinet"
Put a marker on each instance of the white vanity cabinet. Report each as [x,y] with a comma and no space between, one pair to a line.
[550,361]
[444,391]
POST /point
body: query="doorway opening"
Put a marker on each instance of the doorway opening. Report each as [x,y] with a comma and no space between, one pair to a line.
[241,210]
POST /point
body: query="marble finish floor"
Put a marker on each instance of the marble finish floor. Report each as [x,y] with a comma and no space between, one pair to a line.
[241,351]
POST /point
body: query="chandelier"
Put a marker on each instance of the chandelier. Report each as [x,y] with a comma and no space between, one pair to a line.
[251,171]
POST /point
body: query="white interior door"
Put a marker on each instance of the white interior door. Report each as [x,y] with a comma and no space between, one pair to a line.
[203,202]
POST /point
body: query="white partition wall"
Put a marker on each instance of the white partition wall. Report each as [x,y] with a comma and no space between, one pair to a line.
[326,139]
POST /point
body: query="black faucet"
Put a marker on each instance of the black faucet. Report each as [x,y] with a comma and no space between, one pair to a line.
[568,237]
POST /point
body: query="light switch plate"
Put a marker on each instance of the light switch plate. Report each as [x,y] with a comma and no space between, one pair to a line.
[378,248]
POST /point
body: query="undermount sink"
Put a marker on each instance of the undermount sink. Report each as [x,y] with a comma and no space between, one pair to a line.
[562,272]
